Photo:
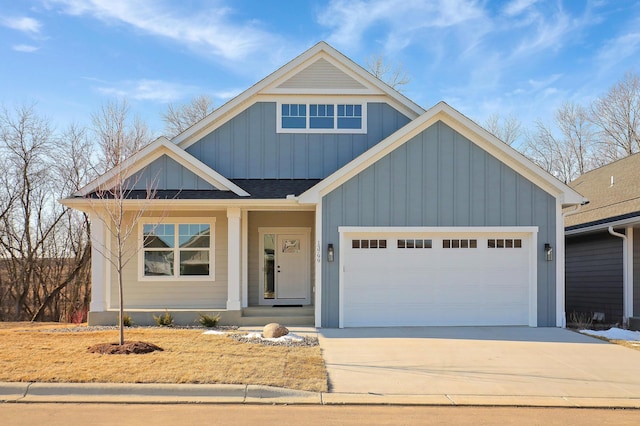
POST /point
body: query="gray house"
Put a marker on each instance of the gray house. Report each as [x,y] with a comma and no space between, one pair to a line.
[322,196]
[603,244]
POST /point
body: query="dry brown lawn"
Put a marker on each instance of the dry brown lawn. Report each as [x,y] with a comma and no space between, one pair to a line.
[30,353]
[627,344]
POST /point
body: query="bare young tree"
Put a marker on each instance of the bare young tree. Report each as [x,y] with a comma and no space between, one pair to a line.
[108,205]
[177,119]
[506,129]
[109,202]
[617,115]
[396,77]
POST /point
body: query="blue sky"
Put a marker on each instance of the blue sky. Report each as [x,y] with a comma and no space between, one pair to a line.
[520,57]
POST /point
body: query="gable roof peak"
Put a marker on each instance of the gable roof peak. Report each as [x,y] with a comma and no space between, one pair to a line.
[352,72]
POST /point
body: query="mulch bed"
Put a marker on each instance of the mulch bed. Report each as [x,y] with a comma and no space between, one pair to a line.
[126,349]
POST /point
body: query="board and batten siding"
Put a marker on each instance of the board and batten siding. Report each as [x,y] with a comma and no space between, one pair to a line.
[177,294]
[439,178]
[271,219]
[248,146]
[165,173]
[594,272]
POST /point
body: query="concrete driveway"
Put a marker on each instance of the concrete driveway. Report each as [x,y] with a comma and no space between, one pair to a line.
[467,364]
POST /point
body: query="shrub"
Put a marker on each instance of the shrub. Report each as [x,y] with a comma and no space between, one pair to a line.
[126,319]
[165,320]
[580,320]
[209,321]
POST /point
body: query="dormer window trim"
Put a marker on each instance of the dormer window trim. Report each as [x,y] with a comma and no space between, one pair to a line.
[321,115]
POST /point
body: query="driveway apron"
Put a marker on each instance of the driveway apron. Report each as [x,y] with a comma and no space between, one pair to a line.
[500,361]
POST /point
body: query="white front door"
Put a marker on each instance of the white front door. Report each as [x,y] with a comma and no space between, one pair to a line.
[285,259]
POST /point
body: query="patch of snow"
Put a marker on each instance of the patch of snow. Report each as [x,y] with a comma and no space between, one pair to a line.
[615,334]
[287,338]
[214,332]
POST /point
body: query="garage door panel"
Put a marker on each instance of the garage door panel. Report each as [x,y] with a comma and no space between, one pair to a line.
[436,286]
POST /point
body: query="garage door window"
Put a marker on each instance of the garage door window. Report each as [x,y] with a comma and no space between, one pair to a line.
[504,243]
[459,244]
[369,244]
[414,243]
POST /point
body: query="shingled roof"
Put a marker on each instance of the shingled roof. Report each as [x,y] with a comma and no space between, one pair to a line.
[263,189]
[613,192]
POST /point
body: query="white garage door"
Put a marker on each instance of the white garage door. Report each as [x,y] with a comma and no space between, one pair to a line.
[429,278]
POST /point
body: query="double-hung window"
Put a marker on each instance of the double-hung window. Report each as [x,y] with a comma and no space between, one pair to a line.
[322,117]
[177,250]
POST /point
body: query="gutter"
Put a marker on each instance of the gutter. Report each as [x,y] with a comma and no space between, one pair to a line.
[627,295]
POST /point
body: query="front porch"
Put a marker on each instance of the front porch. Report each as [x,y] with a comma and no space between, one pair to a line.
[263,258]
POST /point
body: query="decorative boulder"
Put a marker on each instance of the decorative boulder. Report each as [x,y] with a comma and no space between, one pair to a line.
[274,330]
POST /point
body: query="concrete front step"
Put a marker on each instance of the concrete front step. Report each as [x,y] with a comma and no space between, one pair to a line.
[288,316]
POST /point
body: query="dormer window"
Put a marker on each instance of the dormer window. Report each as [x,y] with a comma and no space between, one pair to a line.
[321,118]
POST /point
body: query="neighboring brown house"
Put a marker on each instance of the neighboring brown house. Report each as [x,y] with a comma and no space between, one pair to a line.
[603,243]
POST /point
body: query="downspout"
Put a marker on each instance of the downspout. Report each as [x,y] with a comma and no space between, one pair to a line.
[625,276]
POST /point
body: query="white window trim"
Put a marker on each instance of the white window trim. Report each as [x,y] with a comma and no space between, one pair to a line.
[312,101]
[176,276]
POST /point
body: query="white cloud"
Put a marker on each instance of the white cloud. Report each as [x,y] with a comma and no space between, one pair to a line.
[23,23]
[516,7]
[619,49]
[549,28]
[227,94]
[209,32]
[148,90]
[406,22]
[25,48]
[540,84]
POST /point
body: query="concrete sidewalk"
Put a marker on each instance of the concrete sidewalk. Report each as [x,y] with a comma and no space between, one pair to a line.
[248,394]
[492,366]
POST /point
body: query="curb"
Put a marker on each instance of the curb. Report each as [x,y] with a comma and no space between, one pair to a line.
[138,393]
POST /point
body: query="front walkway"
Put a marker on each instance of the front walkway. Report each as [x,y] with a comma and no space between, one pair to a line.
[464,365]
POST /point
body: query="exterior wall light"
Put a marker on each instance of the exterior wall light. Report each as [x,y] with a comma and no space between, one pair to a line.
[548,252]
[330,253]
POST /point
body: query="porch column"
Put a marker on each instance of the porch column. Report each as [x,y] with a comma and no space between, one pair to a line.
[234,257]
[98,267]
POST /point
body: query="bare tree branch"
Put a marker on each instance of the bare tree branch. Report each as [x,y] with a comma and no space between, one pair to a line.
[117,135]
[177,119]
[617,115]
[396,77]
[506,129]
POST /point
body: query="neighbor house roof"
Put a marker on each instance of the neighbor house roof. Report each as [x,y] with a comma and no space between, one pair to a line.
[613,191]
